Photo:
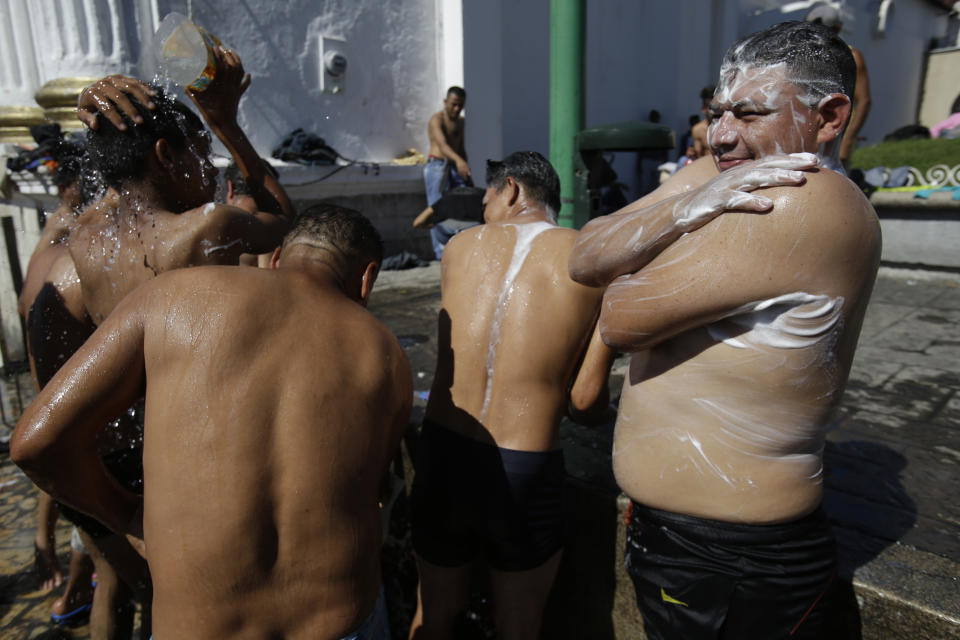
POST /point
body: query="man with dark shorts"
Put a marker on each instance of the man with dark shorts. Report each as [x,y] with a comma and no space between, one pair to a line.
[274,403]
[516,343]
[743,312]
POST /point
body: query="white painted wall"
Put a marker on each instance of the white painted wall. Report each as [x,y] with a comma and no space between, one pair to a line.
[894,58]
[392,46]
[45,39]
[392,82]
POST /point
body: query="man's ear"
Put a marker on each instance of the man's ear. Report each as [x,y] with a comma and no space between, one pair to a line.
[834,111]
[275,258]
[163,154]
[368,279]
[513,192]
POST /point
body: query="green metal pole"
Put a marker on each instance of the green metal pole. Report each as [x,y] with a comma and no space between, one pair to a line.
[567,37]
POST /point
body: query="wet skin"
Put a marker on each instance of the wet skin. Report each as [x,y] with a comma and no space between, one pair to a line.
[245,431]
[122,242]
[166,219]
[517,343]
[518,329]
[742,301]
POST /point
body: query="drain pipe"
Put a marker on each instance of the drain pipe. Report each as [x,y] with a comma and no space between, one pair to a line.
[567,37]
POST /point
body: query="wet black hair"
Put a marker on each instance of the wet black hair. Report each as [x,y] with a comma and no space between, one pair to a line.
[120,156]
[530,169]
[69,154]
[346,233]
[457,91]
[74,168]
[816,58]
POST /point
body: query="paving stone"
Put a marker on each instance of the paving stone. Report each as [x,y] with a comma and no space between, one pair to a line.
[929,358]
[949,299]
[906,291]
[949,415]
[881,316]
[868,372]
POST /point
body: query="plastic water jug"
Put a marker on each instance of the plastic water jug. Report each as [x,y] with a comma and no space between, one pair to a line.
[182,52]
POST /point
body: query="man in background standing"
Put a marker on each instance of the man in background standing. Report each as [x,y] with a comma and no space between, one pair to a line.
[829,16]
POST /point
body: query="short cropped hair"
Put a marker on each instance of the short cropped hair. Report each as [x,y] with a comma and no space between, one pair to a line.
[346,234]
[816,59]
[530,169]
[457,91]
[119,156]
[235,176]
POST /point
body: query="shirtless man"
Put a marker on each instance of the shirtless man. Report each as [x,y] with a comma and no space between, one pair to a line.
[446,166]
[155,152]
[513,349]
[829,15]
[699,130]
[743,328]
[274,403]
[46,267]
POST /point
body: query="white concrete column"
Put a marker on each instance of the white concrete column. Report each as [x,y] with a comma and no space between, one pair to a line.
[18,69]
[77,38]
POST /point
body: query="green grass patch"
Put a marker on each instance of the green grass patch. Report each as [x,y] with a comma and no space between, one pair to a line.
[921,154]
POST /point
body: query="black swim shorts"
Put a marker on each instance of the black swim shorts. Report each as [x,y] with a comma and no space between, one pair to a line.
[699,579]
[472,499]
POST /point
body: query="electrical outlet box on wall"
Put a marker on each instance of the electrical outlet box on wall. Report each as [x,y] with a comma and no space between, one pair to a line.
[333,65]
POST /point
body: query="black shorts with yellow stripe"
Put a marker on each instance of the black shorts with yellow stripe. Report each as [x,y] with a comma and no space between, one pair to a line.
[698,579]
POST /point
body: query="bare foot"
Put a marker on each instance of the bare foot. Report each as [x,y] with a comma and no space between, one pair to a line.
[47,566]
[78,593]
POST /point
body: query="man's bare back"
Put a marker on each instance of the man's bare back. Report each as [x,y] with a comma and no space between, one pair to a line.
[120,243]
[517,328]
[274,403]
[283,469]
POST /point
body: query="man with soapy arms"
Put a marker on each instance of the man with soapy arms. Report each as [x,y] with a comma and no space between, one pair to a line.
[516,343]
[742,310]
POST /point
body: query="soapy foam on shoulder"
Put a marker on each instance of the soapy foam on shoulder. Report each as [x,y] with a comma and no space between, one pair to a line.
[521,249]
